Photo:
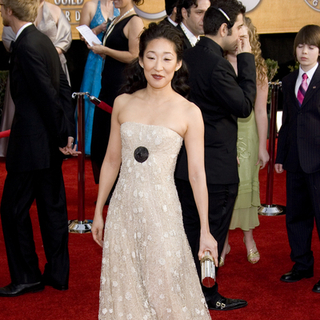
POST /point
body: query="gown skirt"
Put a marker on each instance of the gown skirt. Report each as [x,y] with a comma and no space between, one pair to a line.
[148,271]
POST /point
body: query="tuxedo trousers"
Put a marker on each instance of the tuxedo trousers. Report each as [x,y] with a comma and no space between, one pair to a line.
[221,202]
[46,186]
[303,208]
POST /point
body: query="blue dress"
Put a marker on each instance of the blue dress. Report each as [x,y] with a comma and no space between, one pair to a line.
[91,81]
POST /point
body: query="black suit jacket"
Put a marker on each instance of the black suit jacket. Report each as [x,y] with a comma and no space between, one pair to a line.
[222,97]
[43,117]
[186,42]
[299,136]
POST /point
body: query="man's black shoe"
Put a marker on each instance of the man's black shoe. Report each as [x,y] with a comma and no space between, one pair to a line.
[296,275]
[316,287]
[225,304]
[14,290]
[48,281]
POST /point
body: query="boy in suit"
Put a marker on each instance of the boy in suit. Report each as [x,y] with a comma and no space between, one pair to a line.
[299,152]
[222,97]
[42,131]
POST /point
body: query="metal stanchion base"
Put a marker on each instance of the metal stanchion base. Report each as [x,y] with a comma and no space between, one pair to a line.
[270,210]
[76,226]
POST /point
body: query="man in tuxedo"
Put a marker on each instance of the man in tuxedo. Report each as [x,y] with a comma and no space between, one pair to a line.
[190,20]
[222,97]
[42,131]
[298,152]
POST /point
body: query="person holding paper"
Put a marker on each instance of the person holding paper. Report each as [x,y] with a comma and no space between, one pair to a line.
[97,16]
[120,46]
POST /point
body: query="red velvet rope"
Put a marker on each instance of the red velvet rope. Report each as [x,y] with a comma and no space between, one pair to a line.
[102,105]
[5,134]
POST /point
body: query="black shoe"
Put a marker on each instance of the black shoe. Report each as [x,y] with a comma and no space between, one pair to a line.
[48,281]
[225,304]
[316,287]
[296,275]
[13,290]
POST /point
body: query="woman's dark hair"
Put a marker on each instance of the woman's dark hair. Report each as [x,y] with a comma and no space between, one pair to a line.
[309,35]
[135,78]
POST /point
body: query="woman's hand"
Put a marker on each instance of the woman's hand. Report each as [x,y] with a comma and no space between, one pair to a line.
[208,243]
[97,229]
[98,49]
[263,158]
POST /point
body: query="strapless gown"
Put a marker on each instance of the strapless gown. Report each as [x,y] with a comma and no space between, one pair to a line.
[148,271]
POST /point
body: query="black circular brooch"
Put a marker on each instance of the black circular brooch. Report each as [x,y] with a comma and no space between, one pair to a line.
[141,154]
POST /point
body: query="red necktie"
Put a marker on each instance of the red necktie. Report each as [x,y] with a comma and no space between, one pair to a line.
[302,89]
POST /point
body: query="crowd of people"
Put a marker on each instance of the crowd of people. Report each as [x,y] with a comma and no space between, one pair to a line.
[179,156]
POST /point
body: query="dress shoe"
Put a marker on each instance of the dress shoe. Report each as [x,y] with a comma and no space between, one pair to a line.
[225,304]
[316,287]
[48,281]
[13,290]
[296,275]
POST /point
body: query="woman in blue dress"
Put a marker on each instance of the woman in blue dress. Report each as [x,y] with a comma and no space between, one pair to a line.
[97,16]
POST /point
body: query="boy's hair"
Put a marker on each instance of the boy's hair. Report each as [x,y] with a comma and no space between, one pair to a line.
[24,10]
[310,35]
[214,18]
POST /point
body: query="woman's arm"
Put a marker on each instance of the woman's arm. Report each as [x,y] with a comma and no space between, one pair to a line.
[260,112]
[194,142]
[109,172]
[132,31]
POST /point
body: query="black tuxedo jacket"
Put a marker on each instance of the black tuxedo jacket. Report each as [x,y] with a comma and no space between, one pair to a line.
[43,117]
[186,42]
[222,97]
[299,136]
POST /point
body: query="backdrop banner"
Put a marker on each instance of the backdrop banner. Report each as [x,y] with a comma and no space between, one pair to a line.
[269,16]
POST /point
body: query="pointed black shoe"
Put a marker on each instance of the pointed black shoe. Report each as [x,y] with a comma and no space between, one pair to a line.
[225,304]
[296,275]
[316,287]
[14,290]
[48,281]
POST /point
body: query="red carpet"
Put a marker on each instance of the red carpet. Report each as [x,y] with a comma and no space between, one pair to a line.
[259,284]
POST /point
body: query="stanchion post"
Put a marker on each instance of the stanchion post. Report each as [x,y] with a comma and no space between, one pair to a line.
[270,209]
[80,225]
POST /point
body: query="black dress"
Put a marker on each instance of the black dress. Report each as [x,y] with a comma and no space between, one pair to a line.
[111,82]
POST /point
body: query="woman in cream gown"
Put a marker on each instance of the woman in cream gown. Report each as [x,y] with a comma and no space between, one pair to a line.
[147,268]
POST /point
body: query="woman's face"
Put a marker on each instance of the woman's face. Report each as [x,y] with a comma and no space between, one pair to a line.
[160,62]
[244,34]
[122,3]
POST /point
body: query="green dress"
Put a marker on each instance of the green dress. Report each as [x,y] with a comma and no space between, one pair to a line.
[245,214]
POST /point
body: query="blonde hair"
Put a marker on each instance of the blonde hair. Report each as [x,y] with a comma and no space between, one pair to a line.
[261,65]
[24,10]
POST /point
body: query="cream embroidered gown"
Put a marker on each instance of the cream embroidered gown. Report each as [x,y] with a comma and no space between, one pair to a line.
[148,270]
